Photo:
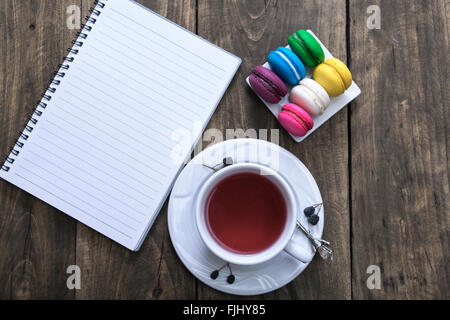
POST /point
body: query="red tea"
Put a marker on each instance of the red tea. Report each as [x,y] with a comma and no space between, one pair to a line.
[246,213]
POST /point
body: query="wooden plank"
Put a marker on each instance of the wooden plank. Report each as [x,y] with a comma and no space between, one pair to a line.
[155,272]
[400,146]
[250,29]
[37,242]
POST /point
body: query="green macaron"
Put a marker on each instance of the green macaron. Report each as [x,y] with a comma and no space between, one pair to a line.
[307,48]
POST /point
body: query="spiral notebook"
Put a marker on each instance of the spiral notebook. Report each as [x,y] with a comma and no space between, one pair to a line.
[119,119]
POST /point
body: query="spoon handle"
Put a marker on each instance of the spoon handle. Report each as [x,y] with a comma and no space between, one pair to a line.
[306,231]
[318,244]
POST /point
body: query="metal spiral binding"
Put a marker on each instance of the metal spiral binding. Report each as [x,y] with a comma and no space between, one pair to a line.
[95,11]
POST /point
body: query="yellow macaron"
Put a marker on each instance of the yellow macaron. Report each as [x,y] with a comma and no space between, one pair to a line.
[334,76]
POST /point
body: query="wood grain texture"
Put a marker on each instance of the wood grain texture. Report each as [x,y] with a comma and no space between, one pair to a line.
[385,193]
[111,271]
[400,130]
[37,242]
[250,29]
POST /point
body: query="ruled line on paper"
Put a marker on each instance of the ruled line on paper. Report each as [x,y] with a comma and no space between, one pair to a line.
[131,88]
[176,73]
[141,134]
[84,160]
[50,183]
[174,81]
[108,134]
[163,103]
[107,154]
[78,178]
[150,119]
[162,37]
[43,169]
[72,205]
[181,68]
[56,156]
[111,146]
[121,112]
[152,168]
[164,95]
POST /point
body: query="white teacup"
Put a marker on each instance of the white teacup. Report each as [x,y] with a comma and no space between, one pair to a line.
[284,241]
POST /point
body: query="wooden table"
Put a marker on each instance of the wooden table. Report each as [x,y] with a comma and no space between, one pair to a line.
[382,163]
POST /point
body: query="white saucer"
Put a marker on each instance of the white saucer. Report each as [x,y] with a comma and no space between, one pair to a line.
[250,280]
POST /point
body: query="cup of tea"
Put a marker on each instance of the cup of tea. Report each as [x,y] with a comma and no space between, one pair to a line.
[246,214]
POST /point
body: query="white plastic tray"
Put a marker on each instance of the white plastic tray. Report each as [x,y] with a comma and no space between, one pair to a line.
[337,103]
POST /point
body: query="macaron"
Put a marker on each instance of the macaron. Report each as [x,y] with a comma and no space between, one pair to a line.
[311,96]
[287,65]
[295,120]
[307,48]
[334,76]
[267,84]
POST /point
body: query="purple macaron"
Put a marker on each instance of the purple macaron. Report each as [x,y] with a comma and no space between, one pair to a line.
[267,84]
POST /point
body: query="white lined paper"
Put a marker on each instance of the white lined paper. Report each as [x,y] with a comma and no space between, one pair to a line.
[101,150]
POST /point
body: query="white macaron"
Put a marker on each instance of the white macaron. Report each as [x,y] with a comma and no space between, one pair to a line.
[311,96]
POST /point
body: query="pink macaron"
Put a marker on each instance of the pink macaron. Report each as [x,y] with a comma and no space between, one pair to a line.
[295,120]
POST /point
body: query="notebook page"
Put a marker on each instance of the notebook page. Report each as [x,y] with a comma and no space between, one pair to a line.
[126,115]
